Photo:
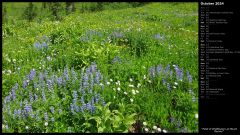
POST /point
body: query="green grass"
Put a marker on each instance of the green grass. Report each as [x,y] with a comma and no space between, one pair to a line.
[177,25]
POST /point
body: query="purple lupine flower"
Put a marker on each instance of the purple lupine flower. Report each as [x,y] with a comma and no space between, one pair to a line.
[37,45]
[32,74]
[60,111]
[116,59]
[159,67]
[88,106]
[45,116]
[19,113]
[76,107]
[64,82]
[46,38]
[65,74]
[9,110]
[44,44]
[74,75]
[52,109]
[83,107]
[59,81]
[43,95]
[117,34]
[28,107]
[53,79]
[82,99]
[178,124]
[168,86]
[151,72]
[167,68]
[15,113]
[75,96]
[37,115]
[35,96]
[7,99]
[164,81]
[97,97]
[91,84]
[41,80]
[93,67]
[103,102]
[171,119]
[31,96]
[13,94]
[179,73]
[45,73]
[35,85]
[158,36]
[171,73]
[32,114]
[85,80]
[98,77]
[40,77]
[20,103]
[72,108]
[52,119]
[88,70]
[49,84]
[25,83]
[189,77]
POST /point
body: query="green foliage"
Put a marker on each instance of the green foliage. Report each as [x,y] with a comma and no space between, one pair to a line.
[125,44]
[113,120]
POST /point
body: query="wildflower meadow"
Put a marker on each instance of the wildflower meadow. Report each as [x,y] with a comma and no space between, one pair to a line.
[131,70]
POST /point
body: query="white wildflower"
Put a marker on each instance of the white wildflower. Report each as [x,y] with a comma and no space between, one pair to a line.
[130,79]
[174,87]
[125,92]
[108,83]
[101,84]
[111,80]
[133,92]
[155,127]
[164,131]
[159,129]
[118,88]
[196,116]
[144,77]
[146,129]
[9,71]
[130,85]
[145,123]
[118,82]
[175,83]
[137,91]
[46,124]
[27,127]
[149,81]
[131,100]
[138,85]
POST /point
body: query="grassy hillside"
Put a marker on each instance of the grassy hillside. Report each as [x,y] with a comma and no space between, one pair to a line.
[142,61]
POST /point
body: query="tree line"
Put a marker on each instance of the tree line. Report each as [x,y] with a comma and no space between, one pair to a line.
[58,9]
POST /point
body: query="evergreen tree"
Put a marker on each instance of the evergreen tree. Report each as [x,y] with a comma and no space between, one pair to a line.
[30,12]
